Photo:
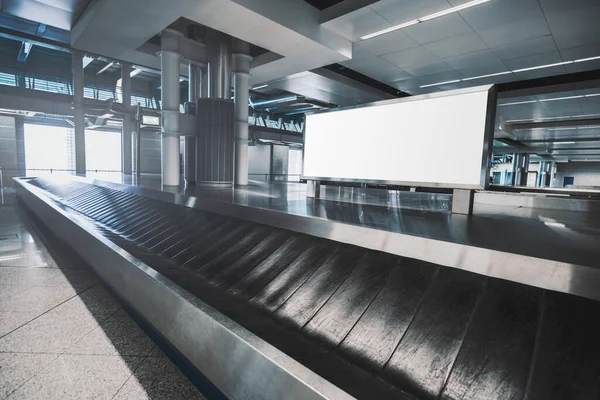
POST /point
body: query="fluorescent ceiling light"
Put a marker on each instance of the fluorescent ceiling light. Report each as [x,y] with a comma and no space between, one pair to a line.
[587,59]
[259,87]
[543,66]
[27,47]
[563,98]
[388,30]
[564,142]
[487,76]
[425,18]
[517,102]
[528,69]
[440,83]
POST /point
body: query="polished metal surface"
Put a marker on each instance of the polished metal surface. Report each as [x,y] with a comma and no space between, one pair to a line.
[215,142]
[373,324]
[543,248]
[239,363]
[220,64]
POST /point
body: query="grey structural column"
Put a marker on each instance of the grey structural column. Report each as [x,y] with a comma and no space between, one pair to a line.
[541,174]
[170,60]
[241,89]
[20,138]
[128,128]
[523,170]
[78,112]
[515,169]
[215,117]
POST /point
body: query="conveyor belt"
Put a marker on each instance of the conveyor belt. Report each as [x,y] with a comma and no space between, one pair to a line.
[375,325]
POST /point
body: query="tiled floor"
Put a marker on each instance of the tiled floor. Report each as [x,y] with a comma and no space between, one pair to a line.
[62,336]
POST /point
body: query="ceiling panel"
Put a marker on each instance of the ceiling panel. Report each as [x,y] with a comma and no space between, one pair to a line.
[438,29]
[542,44]
[400,11]
[458,45]
[585,66]
[376,68]
[478,59]
[573,22]
[534,60]
[413,56]
[358,23]
[428,69]
[389,43]
[501,22]
[579,52]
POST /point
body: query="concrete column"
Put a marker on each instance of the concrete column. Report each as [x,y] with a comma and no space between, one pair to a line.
[242,74]
[170,96]
[523,170]
[128,128]
[20,138]
[515,168]
[541,174]
[78,113]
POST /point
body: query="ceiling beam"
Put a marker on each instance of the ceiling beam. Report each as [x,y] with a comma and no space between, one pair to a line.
[107,66]
[555,124]
[35,40]
[342,8]
[24,51]
[551,84]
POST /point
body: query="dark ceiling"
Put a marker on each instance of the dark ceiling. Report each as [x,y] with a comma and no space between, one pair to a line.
[323,4]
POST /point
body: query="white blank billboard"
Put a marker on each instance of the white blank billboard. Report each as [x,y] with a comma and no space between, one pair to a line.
[436,141]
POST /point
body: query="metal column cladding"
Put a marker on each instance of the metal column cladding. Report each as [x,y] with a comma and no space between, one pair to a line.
[214,158]
[194,92]
[78,112]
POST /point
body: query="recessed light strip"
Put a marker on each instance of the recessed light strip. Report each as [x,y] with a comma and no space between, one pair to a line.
[523,70]
[441,83]
[259,87]
[425,18]
[543,66]
[487,76]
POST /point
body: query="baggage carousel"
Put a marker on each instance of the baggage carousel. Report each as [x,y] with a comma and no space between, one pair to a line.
[268,305]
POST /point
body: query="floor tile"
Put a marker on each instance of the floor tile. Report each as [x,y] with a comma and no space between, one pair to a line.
[10,320]
[9,290]
[37,298]
[16,369]
[53,332]
[47,277]
[25,259]
[79,377]
[117,335]
[97,300]
[156,352]
[158,378]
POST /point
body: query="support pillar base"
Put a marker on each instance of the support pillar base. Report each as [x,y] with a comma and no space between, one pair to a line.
[313,189]
[462,201]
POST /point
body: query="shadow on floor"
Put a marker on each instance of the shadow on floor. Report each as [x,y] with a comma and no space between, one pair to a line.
[141,348]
